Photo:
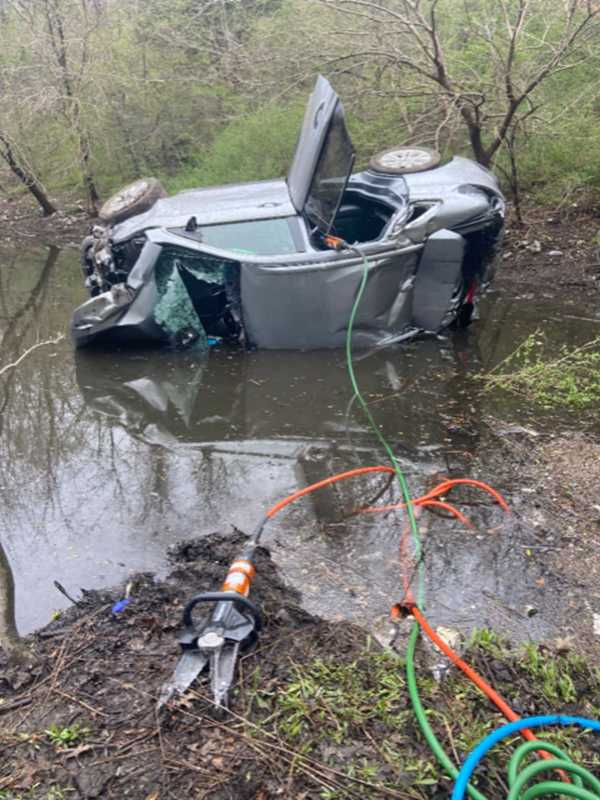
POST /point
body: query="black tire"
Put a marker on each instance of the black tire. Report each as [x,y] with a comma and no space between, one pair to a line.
[132,199]
[403,160]
[85,260]
[464,315]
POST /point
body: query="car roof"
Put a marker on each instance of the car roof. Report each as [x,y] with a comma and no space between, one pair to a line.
[239,202]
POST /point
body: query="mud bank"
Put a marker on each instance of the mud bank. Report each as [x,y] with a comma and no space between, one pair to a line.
[319,709]
[554,475]
[555,247]
[22,225]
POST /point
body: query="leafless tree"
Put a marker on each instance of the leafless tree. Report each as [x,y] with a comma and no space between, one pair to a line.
[51,75]
[482,60]
[25,175]
[71,76]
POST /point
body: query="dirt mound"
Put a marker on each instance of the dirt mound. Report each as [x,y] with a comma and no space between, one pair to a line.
[80,713]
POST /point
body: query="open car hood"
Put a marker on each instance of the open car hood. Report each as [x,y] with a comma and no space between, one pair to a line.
[323,159]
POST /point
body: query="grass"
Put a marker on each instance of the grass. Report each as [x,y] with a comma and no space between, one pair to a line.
[339,699]
[66,736]
[355,714]
[257,146]
[570,379]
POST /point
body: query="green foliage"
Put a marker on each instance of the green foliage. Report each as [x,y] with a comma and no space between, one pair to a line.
[340,698]
[354,715]
[487,641]
[570,378]
[254,147]
[208,93]
[554,675]
[66,736]
[560,153]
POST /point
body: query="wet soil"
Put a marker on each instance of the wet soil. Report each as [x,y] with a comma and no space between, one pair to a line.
[99,674]
[22,224]
[553,475]
[558,501]
[554,247]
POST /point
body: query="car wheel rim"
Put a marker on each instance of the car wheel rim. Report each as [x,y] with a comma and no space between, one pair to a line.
[405,159]
[128,195]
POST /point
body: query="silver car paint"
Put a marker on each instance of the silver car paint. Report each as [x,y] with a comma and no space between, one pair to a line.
[218,204]
[302,300]
[315,125]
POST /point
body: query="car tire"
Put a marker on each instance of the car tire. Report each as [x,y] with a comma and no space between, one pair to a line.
[85,256]
[132,199]
[403,160]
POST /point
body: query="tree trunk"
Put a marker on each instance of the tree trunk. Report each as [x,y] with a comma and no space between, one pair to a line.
[93,198]
[26,177]
[71,104]
[482,156]
[9,636]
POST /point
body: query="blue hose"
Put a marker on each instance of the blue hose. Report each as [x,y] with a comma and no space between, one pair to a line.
[475,756]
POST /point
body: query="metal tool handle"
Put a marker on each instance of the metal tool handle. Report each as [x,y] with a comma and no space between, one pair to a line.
[222,597]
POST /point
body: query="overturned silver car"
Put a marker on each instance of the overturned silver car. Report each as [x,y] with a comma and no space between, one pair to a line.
[267,264]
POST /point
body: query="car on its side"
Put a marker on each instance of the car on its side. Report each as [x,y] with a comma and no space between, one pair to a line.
[268,263]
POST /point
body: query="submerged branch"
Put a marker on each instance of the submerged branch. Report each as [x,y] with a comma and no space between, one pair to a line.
[29,350]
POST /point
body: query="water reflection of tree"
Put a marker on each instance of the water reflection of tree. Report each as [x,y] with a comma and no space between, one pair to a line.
[39,427]
[17,326]
[16,329]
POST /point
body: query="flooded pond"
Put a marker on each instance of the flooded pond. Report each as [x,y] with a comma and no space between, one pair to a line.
[109,458]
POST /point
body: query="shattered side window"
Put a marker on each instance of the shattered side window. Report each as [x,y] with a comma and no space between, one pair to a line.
[196,293]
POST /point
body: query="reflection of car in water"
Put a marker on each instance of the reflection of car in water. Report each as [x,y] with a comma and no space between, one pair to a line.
[230,396]
[265,263]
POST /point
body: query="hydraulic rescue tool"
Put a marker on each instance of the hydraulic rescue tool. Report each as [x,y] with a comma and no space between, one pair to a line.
[232,625]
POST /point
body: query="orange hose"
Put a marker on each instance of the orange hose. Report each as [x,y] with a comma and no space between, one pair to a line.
[441,489]
[326,482]
[448,507]
[438,490]
[445,486]
[420,502]
[473,676]
[424,500]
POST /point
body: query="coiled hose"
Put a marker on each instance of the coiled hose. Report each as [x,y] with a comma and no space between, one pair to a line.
[518,782]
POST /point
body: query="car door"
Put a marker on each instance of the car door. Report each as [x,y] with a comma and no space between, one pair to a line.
[323,159]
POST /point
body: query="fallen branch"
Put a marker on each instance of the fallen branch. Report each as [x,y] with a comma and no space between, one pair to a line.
[29,350]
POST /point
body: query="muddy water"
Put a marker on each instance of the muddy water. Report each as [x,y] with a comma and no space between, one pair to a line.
[108,458]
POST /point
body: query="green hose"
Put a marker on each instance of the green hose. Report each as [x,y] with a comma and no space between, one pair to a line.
[426,729]
[517,781]
[399,474]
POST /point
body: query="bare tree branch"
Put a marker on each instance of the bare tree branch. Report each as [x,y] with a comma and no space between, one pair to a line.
[30,350]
